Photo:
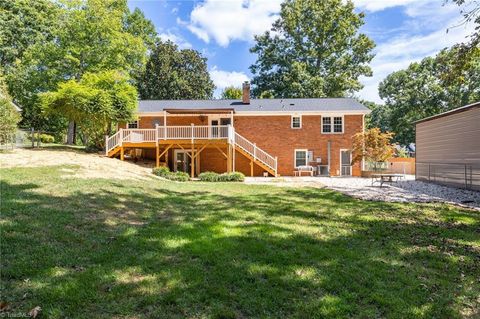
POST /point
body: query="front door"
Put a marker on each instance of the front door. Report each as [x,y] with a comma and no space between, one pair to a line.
[182,161]
[345,163]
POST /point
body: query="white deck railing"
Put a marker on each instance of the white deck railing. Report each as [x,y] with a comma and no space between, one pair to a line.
[194,132]
[190,132]
[256,152]
[139,135]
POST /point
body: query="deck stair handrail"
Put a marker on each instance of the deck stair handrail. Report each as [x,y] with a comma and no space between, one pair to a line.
[257,153]
[113,141]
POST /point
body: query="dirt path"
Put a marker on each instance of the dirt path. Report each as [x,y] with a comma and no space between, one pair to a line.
[91,165]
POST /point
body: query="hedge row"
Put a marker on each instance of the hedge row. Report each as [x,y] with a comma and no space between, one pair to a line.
[206,176]
[225,177]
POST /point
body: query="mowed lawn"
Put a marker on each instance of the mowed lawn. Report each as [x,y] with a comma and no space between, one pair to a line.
[98,248]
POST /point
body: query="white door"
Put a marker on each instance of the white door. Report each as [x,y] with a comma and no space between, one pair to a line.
[345,163]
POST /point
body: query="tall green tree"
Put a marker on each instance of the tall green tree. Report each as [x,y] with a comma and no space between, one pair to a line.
[175,74]
[313,50]
[419,91]
[138,25]
[9,116]
[232,93]
[94,102]
[467,51]
[89,36]
[24,23]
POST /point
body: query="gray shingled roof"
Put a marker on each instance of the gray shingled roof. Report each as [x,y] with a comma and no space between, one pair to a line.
[262,105]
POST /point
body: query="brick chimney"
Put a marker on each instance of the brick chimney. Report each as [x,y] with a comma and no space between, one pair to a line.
[246,93]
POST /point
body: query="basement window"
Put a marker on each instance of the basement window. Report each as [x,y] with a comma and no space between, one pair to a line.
[301,157]
[296,122]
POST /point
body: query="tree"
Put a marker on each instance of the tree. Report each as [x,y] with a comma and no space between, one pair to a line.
[89,36]
[379,116]
[139,26]
[232,93]
[314,50]
[24,23]
[9,116]
[95,102]
[266,95]
[373,146]
[419,91]
[469,51]
[175,74]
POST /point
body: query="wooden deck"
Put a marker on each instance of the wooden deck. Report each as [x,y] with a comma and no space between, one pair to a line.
[193,139]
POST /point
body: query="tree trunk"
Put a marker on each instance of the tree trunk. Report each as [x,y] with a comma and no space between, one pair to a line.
[72,133]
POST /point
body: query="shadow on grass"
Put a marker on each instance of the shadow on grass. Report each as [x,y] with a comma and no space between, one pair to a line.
[105,249]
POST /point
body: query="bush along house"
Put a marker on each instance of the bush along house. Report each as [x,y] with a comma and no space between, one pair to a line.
[258,137]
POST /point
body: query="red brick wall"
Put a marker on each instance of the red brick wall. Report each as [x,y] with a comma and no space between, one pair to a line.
[275,136]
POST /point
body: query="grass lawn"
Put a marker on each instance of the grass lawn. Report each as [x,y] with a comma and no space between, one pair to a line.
[97,248]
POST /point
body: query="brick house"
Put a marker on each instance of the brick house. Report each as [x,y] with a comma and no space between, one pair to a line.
[254,136]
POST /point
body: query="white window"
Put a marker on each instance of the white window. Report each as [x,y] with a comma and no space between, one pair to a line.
[301,157]
[332,124]
[337,124]
[133,124]
[296,122]
[326,124]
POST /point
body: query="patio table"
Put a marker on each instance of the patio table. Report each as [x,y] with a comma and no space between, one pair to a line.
[386,178]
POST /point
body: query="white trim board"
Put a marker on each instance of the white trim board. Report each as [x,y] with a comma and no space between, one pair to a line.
[265,113]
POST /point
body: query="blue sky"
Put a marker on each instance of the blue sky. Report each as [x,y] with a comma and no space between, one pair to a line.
[404,31]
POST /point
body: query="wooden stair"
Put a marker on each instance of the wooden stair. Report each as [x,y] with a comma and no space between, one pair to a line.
[255,161]
[114,152]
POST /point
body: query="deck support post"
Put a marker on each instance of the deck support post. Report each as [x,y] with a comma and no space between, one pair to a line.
[192,161]
[229,158]
[233,157]
[157,155]
[197,159]
[122,153]
[166,158]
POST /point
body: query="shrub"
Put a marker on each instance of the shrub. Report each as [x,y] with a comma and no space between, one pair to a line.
[178,176]
[225,177]
[162,171]
[231,177]
[237,177]
[208,177]
[44,138]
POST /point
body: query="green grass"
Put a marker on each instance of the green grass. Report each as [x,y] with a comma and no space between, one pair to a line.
[94,248]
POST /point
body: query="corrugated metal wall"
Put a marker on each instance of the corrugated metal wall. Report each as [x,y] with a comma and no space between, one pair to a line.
[448,149]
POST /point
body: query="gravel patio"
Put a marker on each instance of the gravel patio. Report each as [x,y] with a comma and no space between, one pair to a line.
[406,190]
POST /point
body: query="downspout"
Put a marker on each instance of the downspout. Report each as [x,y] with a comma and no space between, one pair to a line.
[363,143]
[328,156]
[233,140]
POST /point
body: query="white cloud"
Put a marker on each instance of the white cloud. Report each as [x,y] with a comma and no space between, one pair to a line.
[178,40]
[225,21]
[379,5]
[223,79]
